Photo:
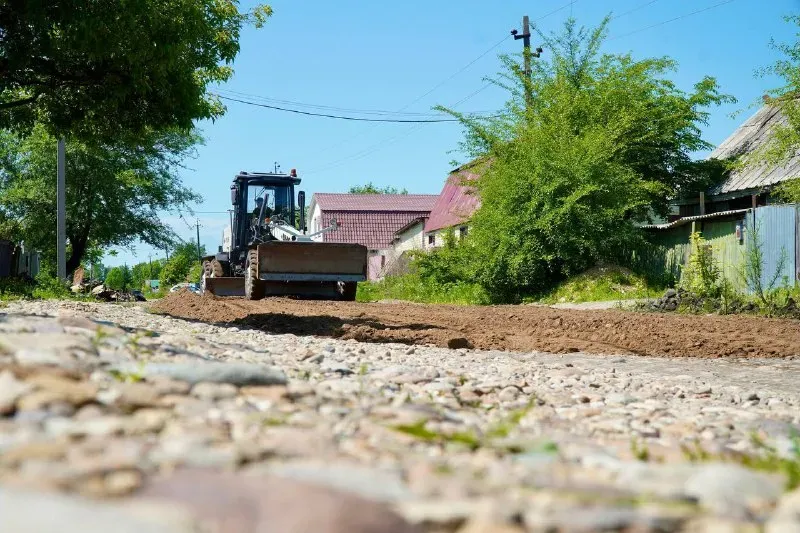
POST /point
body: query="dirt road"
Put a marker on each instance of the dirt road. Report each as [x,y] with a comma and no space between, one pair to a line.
[513,328]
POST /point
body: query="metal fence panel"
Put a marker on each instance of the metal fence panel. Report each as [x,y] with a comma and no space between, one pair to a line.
[776,228]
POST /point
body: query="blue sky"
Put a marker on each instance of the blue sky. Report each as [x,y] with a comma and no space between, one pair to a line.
[386,55]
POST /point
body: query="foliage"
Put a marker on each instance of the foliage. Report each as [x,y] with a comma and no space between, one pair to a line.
[601,283]
[702,273]
[414,288]
[97,68]
[369,188]
[178,267]
[119,278]
[141,272]
[784,138]
[44,287]
[195,273]
[604,139]
[115,190]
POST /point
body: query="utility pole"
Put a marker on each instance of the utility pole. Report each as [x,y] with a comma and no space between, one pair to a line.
[61,213]
[527,55]
[199,255]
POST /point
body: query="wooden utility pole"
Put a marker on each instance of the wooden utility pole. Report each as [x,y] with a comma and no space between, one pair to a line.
[61,213]
[527,55]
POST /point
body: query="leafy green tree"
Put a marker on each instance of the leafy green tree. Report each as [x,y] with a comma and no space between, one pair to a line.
[115,190]
[179,266]
[369,188]
[785,138]
[141,272]
[587,146]
[95,68]
[115,279]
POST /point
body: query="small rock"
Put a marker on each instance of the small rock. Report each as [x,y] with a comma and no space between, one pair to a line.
[214,391]
[456,343]
[733,490]
[214,372]
[508,394]
[75,392]
[10,390]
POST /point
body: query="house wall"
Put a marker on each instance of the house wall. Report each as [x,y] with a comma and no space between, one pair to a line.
[315,222]
[435,239]
[411,239]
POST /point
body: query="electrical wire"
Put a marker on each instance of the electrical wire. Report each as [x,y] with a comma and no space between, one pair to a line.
[339,117]
[377,146]
[670,20]
[637,8]
[291,103]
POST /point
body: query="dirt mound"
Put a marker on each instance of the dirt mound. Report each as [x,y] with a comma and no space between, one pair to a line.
[514,328]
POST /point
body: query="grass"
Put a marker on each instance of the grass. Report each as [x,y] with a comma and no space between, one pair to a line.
[602,283]
[44,288]
[412,288]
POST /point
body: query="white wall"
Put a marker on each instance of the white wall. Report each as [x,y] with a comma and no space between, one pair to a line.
[410,239]
[315,223]
[438,236]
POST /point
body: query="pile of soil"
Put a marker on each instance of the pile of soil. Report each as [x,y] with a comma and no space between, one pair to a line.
[513,328]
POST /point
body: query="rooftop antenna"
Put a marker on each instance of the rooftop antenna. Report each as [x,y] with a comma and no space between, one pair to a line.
[277,167]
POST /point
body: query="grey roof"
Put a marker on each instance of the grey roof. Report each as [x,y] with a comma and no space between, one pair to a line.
[686,220]
[751,135]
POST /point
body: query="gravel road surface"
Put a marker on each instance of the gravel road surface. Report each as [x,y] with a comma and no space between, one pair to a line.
[116,418]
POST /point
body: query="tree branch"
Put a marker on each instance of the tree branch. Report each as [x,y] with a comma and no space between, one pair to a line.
[18,103]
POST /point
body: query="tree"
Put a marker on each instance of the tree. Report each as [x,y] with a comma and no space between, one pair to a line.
[179,266]
[115,190]
[115,279]
[95,68]
[369,188]
[784,138]
[586,147]
[141,272]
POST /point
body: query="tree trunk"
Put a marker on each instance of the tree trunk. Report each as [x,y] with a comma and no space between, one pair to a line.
[78,250]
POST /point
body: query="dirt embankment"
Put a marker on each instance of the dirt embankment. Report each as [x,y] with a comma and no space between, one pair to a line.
[513,328]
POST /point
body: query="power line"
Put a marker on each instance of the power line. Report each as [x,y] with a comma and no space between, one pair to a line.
[671,20]
[637,8]
[377,146]
[339,117]
[323,107]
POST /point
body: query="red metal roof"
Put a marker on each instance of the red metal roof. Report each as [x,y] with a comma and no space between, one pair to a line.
[373,229]
[375,202]
[455,204]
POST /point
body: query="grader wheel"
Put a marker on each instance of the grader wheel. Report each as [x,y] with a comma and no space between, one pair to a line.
[253,287]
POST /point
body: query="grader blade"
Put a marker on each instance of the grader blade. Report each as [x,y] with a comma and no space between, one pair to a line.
[224,286]
[311,262]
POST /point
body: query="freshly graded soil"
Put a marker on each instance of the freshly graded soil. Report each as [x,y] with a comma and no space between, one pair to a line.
[509,328]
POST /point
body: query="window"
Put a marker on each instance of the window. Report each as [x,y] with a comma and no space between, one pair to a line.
[462,231]
[431,239]
[383,261]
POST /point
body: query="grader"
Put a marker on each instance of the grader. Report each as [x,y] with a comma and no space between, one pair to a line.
[267,250]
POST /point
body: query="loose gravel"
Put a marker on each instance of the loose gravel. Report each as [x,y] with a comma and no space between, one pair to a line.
[111,414]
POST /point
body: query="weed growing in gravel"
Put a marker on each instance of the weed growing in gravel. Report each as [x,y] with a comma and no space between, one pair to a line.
[768,460]
[128,377]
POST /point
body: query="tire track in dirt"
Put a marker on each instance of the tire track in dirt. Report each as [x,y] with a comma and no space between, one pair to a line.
[509,328]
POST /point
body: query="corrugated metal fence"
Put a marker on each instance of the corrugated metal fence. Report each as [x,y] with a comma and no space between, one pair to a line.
[774,228]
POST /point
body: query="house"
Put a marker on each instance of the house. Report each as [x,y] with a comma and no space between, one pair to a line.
[454,206]
[406,239]
[742,202]
[367,219]
[750,186]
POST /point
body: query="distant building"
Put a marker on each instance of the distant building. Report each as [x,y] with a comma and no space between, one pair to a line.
[367,219]
[454,206]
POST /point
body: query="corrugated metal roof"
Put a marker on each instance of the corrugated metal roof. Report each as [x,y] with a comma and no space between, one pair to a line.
[421,203]
[456,202]
[686,220]
[373,229]
[751,135]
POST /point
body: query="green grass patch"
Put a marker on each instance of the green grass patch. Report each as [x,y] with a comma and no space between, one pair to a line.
[413,288]
[602,283]
[45,287]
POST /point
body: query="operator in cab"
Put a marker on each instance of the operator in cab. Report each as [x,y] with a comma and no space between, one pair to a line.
[257,212]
